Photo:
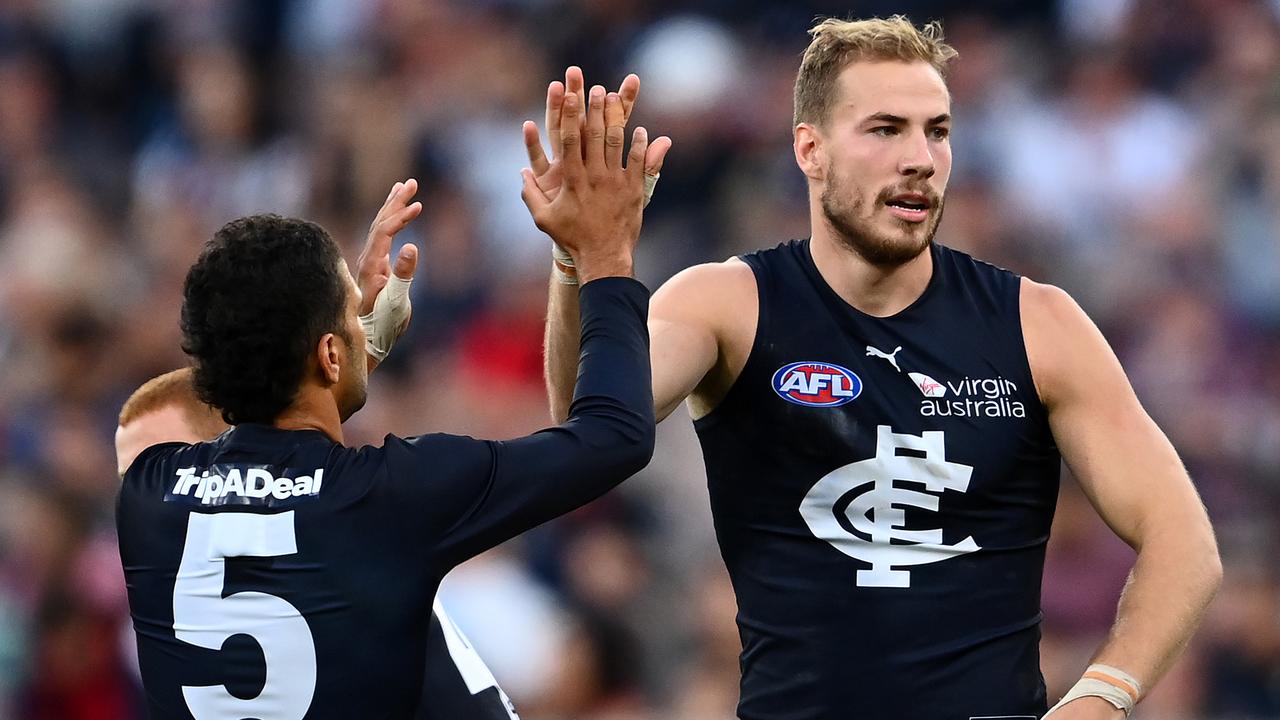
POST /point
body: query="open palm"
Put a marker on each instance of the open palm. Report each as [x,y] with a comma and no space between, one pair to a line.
[548,172]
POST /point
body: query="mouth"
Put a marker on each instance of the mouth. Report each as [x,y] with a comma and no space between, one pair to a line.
[912,207]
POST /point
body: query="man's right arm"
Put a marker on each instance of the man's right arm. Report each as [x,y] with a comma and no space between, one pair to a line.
[595,215]
[686,317]
[482,493]
[560,346]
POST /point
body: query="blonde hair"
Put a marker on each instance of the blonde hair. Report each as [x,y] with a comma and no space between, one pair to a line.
[174,389]
[836,43]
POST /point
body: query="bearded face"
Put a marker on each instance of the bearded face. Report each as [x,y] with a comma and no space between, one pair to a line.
[873,227]
[885,159]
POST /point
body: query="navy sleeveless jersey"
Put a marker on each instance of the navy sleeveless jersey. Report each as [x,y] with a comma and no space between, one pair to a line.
[278,574]
[352,581]
[882,490]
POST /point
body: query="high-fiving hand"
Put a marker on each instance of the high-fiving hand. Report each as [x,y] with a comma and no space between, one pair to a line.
[586,136]
[384,304]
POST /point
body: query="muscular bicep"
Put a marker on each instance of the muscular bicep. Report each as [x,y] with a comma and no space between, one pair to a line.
[697,324]
[681,352]
[1121,458]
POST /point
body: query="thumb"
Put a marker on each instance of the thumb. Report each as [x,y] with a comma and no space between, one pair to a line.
[533,197]
[656,154]
[406,262]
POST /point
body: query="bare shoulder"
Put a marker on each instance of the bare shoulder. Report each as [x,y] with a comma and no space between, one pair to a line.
[707,286]
[1049,303]
[717,302]
[1064,347]
[720,297]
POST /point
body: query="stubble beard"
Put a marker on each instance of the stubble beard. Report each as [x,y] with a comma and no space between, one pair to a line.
[844,210]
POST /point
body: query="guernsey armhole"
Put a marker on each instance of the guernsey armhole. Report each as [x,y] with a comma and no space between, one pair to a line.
[1024,357]
[715,413]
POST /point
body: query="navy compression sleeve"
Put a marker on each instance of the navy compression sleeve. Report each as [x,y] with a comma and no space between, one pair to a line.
[608,436]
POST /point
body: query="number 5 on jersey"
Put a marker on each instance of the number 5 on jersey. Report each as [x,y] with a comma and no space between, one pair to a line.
[203,617]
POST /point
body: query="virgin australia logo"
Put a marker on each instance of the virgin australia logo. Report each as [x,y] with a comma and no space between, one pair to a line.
[928,386]
[971,397]
[875,511]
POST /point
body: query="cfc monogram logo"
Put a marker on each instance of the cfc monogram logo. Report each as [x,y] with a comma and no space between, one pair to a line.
[876,512]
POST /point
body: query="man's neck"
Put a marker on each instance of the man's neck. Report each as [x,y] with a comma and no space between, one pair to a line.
[312,409]
[872,289]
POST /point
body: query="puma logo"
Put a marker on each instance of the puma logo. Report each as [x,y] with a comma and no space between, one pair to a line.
[873,352]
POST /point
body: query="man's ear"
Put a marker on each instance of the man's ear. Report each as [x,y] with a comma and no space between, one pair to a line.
[810,153]
[329,353]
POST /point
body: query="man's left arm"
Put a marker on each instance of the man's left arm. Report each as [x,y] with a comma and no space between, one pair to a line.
[1132,475]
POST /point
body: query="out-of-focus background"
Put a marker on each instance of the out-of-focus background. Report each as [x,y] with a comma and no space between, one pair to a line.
[1127,150]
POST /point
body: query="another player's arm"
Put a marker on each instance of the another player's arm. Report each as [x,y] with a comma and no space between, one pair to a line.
[684,329]
[609,434]
[560,349]
[1133,477]
[561,339]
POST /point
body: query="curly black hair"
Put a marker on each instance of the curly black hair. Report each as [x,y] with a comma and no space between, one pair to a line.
[255,303]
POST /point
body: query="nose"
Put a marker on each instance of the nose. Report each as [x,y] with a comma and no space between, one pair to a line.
[917,157]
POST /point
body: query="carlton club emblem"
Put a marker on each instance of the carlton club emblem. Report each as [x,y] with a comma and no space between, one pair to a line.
[876,512]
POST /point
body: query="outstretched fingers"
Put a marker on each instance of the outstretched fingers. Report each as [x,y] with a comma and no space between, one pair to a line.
[555,101]
[635,160]
[574,84]
[571,137]
[396,221]
[627,93]
[614,131]
[595,129]
[533,145]
[374,264]
[395,213]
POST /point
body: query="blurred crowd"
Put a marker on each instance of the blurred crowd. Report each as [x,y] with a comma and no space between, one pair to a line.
[1126,150]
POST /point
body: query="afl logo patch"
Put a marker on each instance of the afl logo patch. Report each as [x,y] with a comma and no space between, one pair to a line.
[816,384]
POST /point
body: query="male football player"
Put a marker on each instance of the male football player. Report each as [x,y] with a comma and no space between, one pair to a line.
[275,572]
[882,420]
[458,684]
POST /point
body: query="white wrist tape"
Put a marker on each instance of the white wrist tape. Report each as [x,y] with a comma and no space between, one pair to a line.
[562,265]
[1103,681]
[388,319]
[563,268]
[650,182]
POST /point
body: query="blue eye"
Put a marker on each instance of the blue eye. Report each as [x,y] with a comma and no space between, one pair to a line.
[885,130]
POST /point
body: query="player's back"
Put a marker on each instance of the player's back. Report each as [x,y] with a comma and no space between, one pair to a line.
[282,567]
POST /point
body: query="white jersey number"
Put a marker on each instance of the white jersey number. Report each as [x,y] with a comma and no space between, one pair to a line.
[474,672]
[201,616]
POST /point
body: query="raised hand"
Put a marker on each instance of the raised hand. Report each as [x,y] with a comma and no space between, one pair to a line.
[373,268]
[546,170]
[384,304]
[596,212]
